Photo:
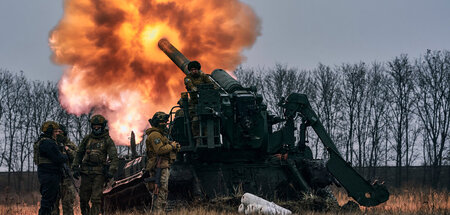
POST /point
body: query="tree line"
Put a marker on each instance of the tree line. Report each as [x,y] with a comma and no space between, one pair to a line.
[24,106]
[395,113]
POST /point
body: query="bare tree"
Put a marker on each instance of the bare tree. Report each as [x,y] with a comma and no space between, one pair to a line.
[353,89]
[279,82]
[23,143]
[363,119]
[327,101]
[250,77]
[377,95]
[44,104]
[14,88]
[433,106]
[80,127]
[400,70]
[4,76]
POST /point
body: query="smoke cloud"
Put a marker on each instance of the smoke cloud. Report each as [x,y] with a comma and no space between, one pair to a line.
[115,67]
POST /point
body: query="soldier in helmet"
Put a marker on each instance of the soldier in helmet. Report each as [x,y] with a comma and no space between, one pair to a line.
[192,80]
[49,160]
[161,154]
[91,161]
[67,190]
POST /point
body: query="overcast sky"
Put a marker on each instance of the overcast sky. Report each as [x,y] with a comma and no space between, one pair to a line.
[297,33]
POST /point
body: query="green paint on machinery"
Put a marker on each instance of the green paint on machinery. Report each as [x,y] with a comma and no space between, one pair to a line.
[235,148]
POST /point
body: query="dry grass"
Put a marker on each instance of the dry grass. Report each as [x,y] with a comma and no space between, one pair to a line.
[402,201]
[408,201]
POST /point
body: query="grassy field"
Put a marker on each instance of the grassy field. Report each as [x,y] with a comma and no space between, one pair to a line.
[401,201]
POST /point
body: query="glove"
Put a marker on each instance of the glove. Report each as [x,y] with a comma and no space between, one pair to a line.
[76,172]
[175,146]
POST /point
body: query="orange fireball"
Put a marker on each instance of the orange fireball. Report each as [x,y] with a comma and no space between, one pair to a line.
[115,66]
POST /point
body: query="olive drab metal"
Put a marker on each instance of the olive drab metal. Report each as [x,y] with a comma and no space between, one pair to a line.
[236,148]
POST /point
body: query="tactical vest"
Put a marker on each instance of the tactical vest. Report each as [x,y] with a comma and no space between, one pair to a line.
[38,159]
[95,152]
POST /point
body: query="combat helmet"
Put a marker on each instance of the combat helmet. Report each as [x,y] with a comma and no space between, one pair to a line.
[48,127]
[157,118]
[98,120]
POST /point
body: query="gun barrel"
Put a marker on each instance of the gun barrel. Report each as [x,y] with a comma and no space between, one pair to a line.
[179,59]
[219,77]
[224,80]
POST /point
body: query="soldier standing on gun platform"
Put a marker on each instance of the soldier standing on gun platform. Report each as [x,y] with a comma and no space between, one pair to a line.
[93,154]
[67,191]
[195,78]
[49,160]
[161,154]
[192,80]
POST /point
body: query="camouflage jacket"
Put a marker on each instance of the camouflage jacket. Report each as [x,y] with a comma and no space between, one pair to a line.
[70,150]
[158,145]
[95,152]
[192,82]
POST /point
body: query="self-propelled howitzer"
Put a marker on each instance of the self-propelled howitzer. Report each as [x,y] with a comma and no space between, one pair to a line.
[228,145]
[236,130]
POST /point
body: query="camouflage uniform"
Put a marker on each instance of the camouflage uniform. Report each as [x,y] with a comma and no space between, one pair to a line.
[93,154]
[192,81]
[159,147]
[67,191]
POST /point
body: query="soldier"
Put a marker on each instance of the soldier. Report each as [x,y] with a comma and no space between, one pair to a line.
[161,154]
[49,160]
[192,80]
[195,78]
[67,190]
[93,154]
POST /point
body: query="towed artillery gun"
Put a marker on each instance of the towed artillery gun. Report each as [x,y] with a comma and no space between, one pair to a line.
[236,149]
